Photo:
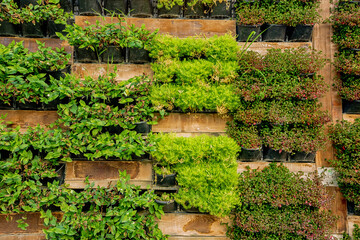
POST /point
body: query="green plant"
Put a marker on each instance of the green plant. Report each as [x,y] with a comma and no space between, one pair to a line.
[277,204]
[99,36]
[245,136]
[348,63]
[249,15]
[206,170]
[345,137]
[348,87]
[100,213]
[294,139]
[168,4]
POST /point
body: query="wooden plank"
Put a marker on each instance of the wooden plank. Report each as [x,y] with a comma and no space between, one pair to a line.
[29,118]
[191,123]
[124,71]
[293,167]
[331,101]
[10,227]
[23,236]
[177,27]
[194,238]
[351,117]
[31,44]
[195,225]
[338,208]
[351,220]
[104,173]
[262,47]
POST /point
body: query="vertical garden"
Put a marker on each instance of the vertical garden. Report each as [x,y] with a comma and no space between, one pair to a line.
[173,119]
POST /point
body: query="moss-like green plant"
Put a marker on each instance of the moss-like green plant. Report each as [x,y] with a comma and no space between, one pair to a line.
[206,170]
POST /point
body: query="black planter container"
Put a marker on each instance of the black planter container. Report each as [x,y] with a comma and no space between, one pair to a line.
[243,32]
[4,154]
[141,8]
[115,6]
[301,33]
[90,7]
[195,12]
[144,156]
[142,127]
[221,10]
[67,5]
[52,106]
[190,210]
[30,30]
[113,55]
[53,28]
[137,55]
[166,180]
[85,55]
[355,50]
[303,157]
[351,210]
[274,33]
[352,107]
[7,106]
[168,206]
[8,29]
[272,155]
[60,171]
[251,155]
[113,129]
[174,12]
[29,106]
[341,3]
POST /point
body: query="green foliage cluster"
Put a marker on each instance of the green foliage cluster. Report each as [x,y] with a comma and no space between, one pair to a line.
[279,93]
[199,70]
[346,24]
[346,140]
[26,76]
[355,234]
[290,13]
[42,11]
[99,36]
[206,170]
[277,204]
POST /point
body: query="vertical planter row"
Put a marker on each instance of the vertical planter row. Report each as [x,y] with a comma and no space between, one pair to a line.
[276,21]
[345,21]
[279,117]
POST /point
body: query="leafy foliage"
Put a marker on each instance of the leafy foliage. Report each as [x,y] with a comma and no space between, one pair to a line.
[278,204]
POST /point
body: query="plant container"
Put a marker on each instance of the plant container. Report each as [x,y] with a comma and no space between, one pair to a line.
[195,12]
[60,171]
[8,29]
[30,30]
[243,32]
[166,180]
[115,6]
[67,5]
[190,210]
[141,8]
[29,106]
[144,156]
[142,127]
[83,55]
[221,10]
[351,210]
[348,2]
[52,106]
[168,206]
[113,129]
[351,107]
[274,33]
[9,106]
[272,155]
[302,157]
[174,12]
[251,155]
[90,7]
[53,28]
[4,154]
[301,33]
[355,50]
[138,55]
[113,54]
